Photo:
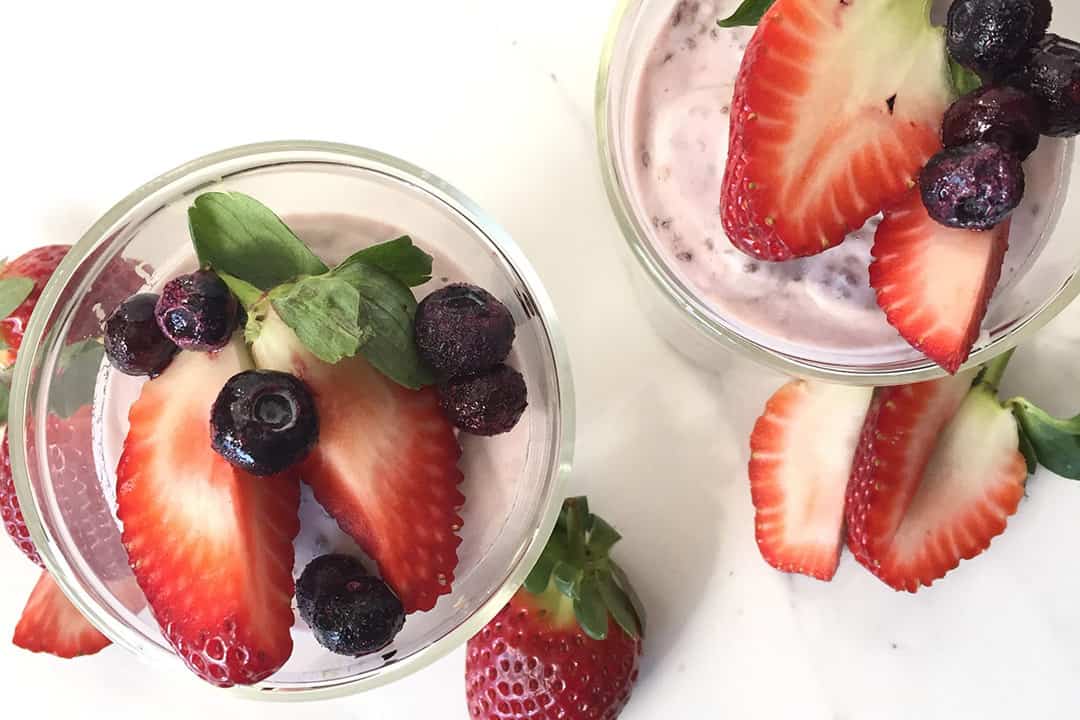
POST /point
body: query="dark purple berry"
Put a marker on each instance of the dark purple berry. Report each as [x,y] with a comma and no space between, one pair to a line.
[264,421]
[487,403]
[991,36]
[1004,115]
[462,329]
[134,343]
[349,611]
[973,186]
[197,311]
[1052,76]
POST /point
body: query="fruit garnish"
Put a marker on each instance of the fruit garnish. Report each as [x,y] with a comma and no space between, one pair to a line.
[10,511]
[488,403]
[972,187]
[385,466]
[361,307]
[462,330]
[568,644]
[134,343]
[210,545]
[801,452]
[51,624]
[263,422]
[1003,115]
[748,13]
[350,611]
[991,36]
[1052,75]
[934,283]
[937,475]
[197,311]
[837,107]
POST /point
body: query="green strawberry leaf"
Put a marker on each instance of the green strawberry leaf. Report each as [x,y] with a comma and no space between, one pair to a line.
[540,577]
[747,14]
[619,605]
[248,295]
[13,291]
[387,309]
[1056,442]
[76,377]
[238,235]
[964,81]
[566,577]
[399,258]
[1027,450]
[602,537]
[635,601]
[590,609]
[5,393]
[322,311]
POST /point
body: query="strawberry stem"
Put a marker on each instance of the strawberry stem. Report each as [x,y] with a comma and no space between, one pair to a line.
[995,370]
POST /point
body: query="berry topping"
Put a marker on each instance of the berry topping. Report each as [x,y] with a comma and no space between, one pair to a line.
[934,283]
[463,329]
[210,545]
[349,611]
[973,186]
[487,403]
[1052,76]
[264,421]
[197,311]
[798,474]
[800,178]
[990,36]
[1004,115]
[385,466]
[568,644]
[937,474]
[134,343]
[51,624]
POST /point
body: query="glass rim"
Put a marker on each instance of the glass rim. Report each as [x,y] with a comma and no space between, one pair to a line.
[710,323]
[557,464]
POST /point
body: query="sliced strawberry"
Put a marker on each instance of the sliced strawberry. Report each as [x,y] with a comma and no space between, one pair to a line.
[385,466]
[937,474]
[837,107]
[801,453]
[211,546]
[51,624]
[934,283]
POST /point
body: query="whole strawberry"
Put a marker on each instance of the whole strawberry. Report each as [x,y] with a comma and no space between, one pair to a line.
[25,277]
[568,644]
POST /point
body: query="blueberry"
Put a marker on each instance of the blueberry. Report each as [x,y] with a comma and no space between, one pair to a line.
[264,421]
[1052,76]
[349,611]
[486,403]
[134,343]
[197,311]
[463,329]
[992,36]
[973,186]
[1004,115]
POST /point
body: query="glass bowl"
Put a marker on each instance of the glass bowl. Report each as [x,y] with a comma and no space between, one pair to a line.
[513,485]
[1044,283]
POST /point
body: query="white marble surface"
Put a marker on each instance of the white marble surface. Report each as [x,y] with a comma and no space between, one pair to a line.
[497,97]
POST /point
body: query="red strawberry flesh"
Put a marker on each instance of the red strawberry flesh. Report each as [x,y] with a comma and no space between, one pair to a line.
[801,452]
[10,511]
[837,107]
[51,624]
[385,466]
[934,283]
[211,546]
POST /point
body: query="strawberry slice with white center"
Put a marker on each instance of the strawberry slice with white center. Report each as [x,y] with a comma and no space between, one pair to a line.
[211,546]
[934,283]
[385,466]
[801,453]
[937,475]
[51,624]
[837,107]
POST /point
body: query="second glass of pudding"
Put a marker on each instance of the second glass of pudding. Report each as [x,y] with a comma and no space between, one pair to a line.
[338,199]
[663,110]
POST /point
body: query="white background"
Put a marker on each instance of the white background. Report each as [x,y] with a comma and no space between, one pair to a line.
[496,96]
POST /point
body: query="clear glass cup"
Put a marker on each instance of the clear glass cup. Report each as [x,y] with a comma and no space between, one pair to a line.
[1046,285]
[67,490]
